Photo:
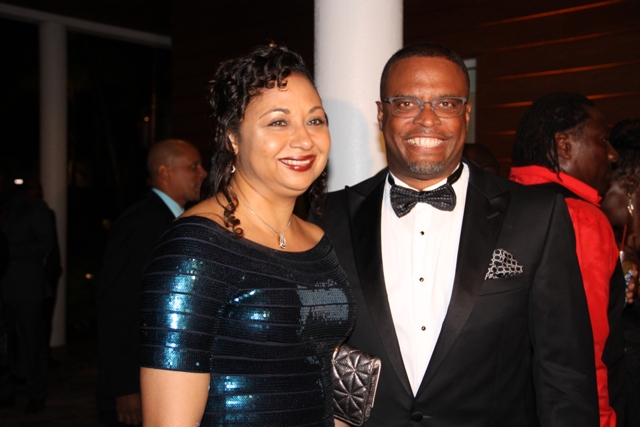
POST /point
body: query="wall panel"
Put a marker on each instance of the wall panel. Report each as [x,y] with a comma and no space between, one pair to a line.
[527,49]
[523,50]
[208,32]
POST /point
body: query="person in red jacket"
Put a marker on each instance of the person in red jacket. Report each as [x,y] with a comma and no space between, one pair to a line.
[562,145]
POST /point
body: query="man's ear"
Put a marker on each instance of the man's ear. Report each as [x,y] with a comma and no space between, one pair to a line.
[163,172]
[563,145]
[467,113]
[380,114]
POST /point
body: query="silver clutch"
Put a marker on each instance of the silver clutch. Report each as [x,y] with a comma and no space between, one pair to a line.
[355,380]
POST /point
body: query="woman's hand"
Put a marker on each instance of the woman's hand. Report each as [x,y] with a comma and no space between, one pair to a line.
[630,262]
[129,409]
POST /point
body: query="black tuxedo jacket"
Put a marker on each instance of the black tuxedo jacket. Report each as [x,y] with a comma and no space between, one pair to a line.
[132,238]
[513,351]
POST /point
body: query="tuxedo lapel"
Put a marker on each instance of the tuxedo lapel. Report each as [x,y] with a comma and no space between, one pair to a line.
[484,213]
[364,211]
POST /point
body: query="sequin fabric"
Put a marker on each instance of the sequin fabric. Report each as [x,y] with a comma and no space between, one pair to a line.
[264,323]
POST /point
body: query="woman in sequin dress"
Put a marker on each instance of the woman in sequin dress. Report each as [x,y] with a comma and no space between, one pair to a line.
[621,204]
[243,302]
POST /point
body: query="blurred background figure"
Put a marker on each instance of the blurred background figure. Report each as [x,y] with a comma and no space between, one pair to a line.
[481,156]
[52,265]
[620,205]
[30,233]
[175,173]
[562,145]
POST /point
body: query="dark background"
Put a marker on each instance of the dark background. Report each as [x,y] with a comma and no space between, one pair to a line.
[111,86]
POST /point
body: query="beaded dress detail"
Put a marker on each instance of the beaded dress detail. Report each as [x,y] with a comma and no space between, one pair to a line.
[263,322]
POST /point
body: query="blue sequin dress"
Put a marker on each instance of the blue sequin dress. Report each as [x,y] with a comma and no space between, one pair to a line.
[263,322]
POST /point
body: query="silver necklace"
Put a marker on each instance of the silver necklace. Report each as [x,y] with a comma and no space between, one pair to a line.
[282,242]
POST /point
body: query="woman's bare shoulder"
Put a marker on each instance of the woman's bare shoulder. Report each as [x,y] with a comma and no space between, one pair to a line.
[209,209]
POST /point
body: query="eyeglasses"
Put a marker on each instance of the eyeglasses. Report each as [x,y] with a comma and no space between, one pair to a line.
[409,107]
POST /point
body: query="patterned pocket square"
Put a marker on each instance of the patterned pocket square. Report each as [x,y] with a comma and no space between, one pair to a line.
[503,264]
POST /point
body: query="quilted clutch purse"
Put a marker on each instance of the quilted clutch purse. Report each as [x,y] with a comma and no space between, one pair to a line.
[355,380]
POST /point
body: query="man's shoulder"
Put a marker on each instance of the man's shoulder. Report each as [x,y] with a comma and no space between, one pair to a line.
[149,212]
[491,183]
[337,202]
[586,212]
[150,204]
[362,188]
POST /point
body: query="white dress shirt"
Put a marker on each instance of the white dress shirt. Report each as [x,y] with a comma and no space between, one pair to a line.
[419,256]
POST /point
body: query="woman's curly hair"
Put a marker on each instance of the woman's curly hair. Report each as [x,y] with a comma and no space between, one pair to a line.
[234,84]
[625,138]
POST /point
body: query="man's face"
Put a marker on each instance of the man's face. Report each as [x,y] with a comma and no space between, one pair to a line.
[186,175]
[591,153]
[424,149]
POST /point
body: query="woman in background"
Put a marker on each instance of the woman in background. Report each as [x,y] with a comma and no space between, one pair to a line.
[621,205]
[243,302]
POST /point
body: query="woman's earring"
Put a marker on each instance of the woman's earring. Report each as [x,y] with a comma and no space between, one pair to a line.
[233,170]
[630,207]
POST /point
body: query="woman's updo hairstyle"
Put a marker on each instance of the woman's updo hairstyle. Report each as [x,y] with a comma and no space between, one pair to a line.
[235,83]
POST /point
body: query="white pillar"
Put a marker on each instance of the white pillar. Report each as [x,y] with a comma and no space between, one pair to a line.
[353,41]
[53,148]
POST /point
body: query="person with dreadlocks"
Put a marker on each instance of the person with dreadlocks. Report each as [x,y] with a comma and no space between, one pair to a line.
[562,145]
[620,205]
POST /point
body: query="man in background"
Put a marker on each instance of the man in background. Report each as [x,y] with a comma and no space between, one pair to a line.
[562,145]
[24,289]
[176,173]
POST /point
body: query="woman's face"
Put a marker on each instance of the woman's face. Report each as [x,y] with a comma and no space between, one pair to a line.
[283,142]
[615,205]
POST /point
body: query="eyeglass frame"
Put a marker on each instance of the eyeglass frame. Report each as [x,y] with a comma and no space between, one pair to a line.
[421,104]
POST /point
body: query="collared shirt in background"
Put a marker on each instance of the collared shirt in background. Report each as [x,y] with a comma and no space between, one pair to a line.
[173,206]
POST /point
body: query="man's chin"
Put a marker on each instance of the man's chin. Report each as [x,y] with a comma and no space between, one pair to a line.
[426,169]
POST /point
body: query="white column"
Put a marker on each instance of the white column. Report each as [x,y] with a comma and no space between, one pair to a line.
[53,148]
[353,41]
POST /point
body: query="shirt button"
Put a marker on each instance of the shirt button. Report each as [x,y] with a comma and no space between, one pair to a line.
[422,279]
[417,416]
[422,233]
[424,328]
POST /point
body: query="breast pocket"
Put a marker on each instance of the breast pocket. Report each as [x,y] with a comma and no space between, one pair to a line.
[515,283]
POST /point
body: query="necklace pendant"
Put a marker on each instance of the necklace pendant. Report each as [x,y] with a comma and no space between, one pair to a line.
[283,241]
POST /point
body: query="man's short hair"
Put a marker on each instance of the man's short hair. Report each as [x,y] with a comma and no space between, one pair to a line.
[427,50]
[163,153]
[536,134]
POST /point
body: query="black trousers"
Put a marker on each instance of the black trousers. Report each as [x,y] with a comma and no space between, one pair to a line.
[27,344]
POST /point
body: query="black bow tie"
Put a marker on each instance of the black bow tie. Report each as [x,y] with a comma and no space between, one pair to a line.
[444,197]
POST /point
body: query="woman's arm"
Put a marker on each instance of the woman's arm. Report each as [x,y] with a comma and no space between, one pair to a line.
[173,398]
[339,423]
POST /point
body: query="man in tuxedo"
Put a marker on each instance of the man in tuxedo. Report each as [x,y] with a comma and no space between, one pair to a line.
[562,145]
[176,173]
[467,285]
